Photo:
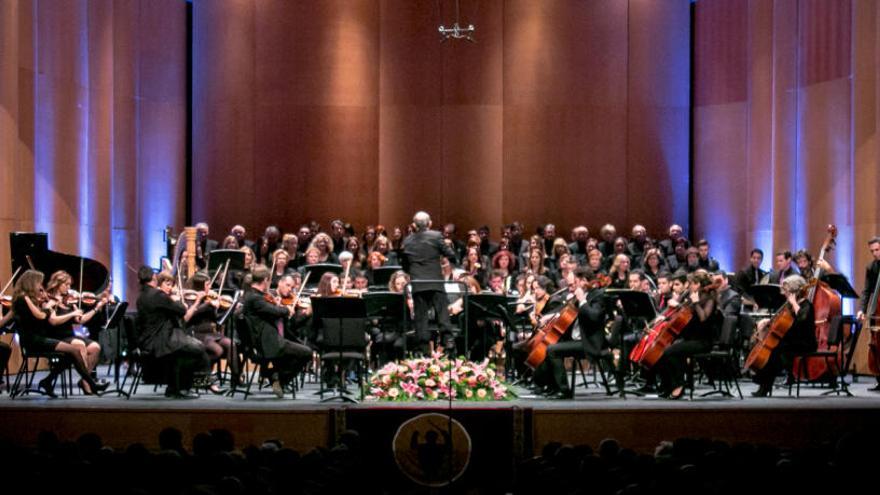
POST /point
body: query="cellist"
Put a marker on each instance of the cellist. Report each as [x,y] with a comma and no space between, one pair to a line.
[590,299]
[865,302]
[695,338]
[800,337]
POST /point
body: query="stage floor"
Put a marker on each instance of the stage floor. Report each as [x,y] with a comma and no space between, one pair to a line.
[306,422]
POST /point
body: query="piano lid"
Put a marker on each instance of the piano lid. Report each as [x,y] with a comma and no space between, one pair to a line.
[36,245]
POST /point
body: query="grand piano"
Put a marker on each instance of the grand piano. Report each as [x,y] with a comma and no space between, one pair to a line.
[35,245]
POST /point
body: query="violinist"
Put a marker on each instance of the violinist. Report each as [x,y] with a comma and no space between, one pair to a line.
[328,286]
[266,321]
[695,338]
[296,326]
[96,325]
[64,312]
[5,349]
[872,271]
[203,322]
[28,297]
[361,282]
[800,337]
[162,337]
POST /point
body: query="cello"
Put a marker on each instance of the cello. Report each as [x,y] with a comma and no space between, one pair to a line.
[665,332]
[770,338]
[827,304]
[550,334]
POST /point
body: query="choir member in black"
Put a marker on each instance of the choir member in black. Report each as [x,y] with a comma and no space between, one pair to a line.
[548,233]
[64,313]
[619,247]
[607,236]
[229,242]
[266,322]
[692,260]
[636,247]
[487,246]
[515,234]
[560,247]
[751,274]
[353,246]
[695,338]
[240,235]
[269,243]
[290,243]
[504,262]
[653,263]
[706,261]
[782,268]
[619,272]
[31,319]
[535,263]
[678,259]
[204,245]
[578,245]
[203,323]
[422,252]
[667,246]
[595,261]
[474,267]
[590,299]
[162,337]
[281,263]
[800,337]
[304,236]
[337,235]
[383,246]
[871,273]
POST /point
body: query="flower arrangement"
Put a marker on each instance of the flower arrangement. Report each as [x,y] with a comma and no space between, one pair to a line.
[438,377]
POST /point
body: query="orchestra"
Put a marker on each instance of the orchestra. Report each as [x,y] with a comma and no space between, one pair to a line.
[185,329]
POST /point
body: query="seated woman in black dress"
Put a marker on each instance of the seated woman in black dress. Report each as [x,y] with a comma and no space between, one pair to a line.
[32,322]
[800,337]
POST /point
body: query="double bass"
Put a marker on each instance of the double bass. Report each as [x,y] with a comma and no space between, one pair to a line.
[827,304]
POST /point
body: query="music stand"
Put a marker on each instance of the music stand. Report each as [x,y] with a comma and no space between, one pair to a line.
[115,320]
[388,308]
[488,306]
[343,322]
[318,270]
[839,283]
[382,275]
[768,296]
[217,259]
[635,304]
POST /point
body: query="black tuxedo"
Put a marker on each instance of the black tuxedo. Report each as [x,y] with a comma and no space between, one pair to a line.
[871,273]
[777,277]
[264,320]
[747,277]
[160,335]
[421,253]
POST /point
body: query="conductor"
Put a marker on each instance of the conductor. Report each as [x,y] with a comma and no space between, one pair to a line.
[422,252]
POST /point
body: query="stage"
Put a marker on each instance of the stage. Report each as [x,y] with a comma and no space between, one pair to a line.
[521,426]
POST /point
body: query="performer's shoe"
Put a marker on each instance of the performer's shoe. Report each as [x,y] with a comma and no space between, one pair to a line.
[875,388]
[46,386]
[676,394]
[763,391]
[277,389]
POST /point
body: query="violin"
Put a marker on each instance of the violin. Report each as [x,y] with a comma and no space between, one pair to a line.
[190,296]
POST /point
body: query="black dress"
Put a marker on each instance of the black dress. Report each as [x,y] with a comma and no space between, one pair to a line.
[33,332]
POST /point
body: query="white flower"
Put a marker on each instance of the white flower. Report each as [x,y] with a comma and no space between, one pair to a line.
[394,392]
[481,393]
[430,382]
